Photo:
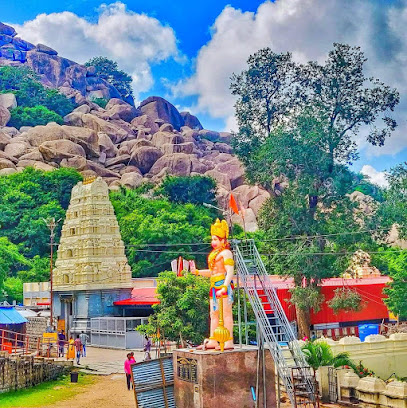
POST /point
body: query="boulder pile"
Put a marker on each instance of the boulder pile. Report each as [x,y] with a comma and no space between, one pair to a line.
[125,145]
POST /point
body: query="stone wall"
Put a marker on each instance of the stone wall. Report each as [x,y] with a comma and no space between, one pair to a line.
[25,371]
[371,391]
[384,356]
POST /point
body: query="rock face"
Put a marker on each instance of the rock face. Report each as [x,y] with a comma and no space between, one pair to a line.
[158,108]
[72,79]
[125,145]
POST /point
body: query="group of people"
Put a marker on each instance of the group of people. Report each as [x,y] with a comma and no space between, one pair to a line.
[76,348]
[131,360]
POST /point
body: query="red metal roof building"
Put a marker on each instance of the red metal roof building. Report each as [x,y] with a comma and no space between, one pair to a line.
[370,290]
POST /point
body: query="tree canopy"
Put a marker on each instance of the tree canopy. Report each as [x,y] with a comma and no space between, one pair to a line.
[296,129]
[30,93]
[156,231]
[109,71]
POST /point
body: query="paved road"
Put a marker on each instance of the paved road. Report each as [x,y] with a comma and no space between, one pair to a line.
[107,361]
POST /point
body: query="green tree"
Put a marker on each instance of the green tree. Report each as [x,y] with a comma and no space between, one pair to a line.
[301,153]
[182,313]
[13,288]
[393,209]
[11,260]
[393,262]
[30,93]
[109,71]
[38,271]
[156,231]
[27,198]
[37,115]
[193,189]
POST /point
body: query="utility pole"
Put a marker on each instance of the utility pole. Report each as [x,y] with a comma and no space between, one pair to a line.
[51,224]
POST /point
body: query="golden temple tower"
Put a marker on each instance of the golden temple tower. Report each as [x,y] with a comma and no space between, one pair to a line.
[91,252]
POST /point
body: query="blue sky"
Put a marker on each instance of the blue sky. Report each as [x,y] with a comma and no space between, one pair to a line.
[186,51]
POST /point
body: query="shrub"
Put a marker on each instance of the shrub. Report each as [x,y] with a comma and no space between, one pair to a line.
[194,190]
[346,300]
[30,92]
[102,102]
[37,115]
[319,353]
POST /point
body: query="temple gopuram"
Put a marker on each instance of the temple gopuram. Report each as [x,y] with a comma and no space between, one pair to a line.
[91,271]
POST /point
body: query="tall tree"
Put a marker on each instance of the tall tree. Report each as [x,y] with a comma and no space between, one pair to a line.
[109,71]
[301,156]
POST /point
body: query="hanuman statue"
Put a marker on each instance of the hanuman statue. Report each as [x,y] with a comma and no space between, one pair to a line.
[221,267]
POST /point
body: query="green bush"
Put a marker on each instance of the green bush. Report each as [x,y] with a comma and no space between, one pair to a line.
[38,115]
[194,190]
[29,91]
[102,102]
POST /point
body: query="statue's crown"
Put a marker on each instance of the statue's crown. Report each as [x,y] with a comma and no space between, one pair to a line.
[220,229]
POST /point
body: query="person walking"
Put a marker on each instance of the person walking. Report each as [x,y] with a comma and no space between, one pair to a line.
[71,349]
[84,339]
[78,347]
[61,343]
[147,349]
[127,369]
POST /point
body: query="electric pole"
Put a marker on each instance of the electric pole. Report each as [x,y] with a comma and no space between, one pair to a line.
[51,224]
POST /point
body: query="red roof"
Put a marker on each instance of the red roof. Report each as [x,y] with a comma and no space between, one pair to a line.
[141,297]
[370,289]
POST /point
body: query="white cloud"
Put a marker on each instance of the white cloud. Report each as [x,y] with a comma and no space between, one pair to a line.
[376,177]
[134,40]
[307,28]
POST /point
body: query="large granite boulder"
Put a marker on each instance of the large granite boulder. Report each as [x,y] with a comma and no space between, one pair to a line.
[38,165]
[7,30]
[5,116]
[116,133]
[191,121]
[17,149]
[40,134]
[106,146]
[87,138]
[234,170]
[8,101]
[257,203]
[158,108]
[144,157]
[56,150]
[45,49]
[118,109]
[34,154]
[178,164]
[131,180]
[144,121]
[6,164]
[4,139]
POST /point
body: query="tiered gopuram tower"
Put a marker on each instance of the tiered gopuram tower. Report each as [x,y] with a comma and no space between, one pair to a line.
[91,271]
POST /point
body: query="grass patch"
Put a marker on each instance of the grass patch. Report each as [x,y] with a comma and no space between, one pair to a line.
[45,393]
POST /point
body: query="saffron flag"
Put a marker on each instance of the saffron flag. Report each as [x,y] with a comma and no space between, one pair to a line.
[233,204]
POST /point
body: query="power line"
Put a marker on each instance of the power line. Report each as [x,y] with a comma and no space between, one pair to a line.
[305,237]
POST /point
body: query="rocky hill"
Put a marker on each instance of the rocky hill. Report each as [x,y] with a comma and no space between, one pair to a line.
[124,144]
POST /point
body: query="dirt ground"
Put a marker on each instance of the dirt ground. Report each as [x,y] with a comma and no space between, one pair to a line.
[107,391]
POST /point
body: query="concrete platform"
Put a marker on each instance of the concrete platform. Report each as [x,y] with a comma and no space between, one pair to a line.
[211,379]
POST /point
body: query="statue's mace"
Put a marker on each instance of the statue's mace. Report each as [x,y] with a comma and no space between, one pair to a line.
[221,333]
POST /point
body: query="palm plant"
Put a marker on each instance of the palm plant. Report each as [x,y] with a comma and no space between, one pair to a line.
[319,353]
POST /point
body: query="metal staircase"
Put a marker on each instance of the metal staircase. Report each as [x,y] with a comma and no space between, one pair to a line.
[276,330]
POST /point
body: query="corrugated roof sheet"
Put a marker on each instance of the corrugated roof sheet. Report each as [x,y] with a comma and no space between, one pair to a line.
[9,315]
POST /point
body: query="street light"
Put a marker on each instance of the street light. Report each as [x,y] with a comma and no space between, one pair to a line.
[51,224]
[214,207]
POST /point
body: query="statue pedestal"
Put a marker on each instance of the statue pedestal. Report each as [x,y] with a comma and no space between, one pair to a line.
[211,379]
